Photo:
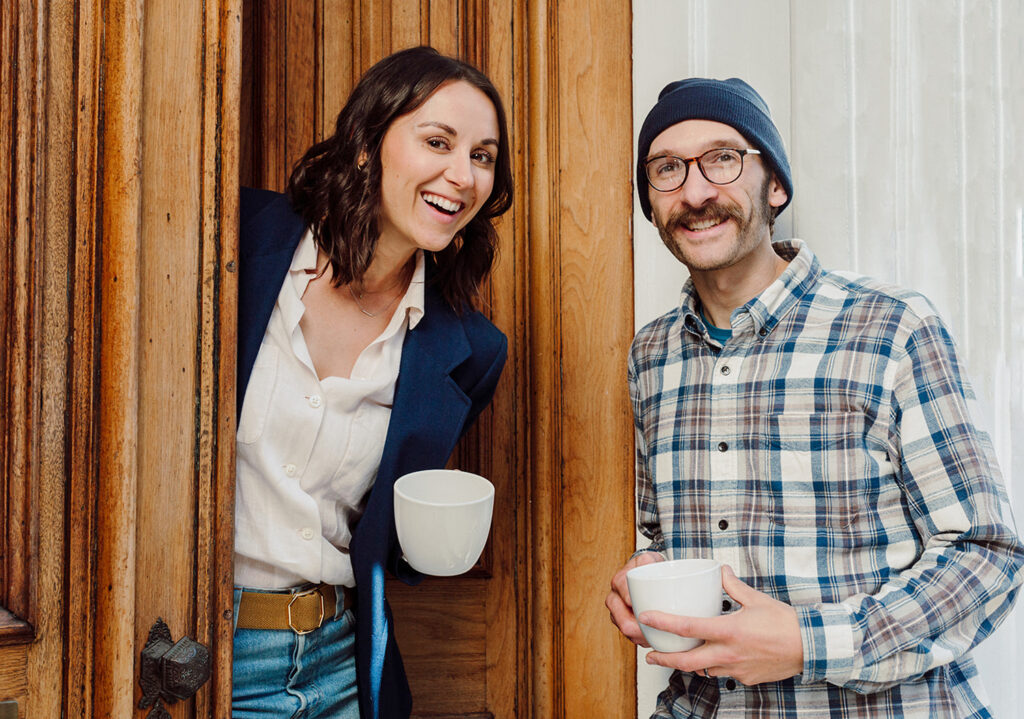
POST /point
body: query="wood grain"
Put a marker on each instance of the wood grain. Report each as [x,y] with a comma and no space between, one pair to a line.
[118,420]
[20,367]
[82,499]
[441,624]
[597,319]
[215,471]
[117,201]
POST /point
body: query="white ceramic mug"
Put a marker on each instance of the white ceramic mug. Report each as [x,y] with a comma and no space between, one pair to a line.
[684,587]
[443,517]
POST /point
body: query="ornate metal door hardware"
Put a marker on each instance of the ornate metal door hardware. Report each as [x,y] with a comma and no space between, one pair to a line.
[170,670]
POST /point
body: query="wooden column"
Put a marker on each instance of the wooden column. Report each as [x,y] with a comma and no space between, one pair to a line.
[581,318]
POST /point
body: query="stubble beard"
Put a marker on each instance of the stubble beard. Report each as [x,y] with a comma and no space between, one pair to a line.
[750,230]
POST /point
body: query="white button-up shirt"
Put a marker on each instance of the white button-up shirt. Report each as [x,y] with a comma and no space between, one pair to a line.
[309,447]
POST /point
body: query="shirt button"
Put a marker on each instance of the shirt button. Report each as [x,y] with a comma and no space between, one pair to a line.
[726,604]
[306,533]
[723,446]
[763,331]
[315,401]
[730,684]
[723,524]
[726,369]
[290,469]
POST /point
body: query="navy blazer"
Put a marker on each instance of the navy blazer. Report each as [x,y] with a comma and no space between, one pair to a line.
[450,366]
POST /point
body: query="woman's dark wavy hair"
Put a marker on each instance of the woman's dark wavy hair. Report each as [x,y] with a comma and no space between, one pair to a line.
[341,202]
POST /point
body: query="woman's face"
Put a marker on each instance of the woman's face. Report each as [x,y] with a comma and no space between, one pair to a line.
[437,168]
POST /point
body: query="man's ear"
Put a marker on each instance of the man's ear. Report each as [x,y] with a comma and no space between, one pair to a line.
[654,219]
[777,194]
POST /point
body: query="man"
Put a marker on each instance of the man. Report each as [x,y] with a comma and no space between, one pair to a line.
[812,431]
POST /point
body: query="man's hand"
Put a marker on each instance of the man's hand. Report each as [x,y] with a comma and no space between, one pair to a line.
[619,604]
[759,643]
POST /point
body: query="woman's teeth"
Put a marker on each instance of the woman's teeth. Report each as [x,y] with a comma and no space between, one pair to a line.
[441,203]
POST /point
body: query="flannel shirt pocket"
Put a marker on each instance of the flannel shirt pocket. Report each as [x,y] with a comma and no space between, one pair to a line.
[816,469]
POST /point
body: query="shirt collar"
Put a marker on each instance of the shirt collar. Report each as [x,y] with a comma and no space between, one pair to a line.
[300,272]
[305,254]
[412,302]
[767,309]
[303,269]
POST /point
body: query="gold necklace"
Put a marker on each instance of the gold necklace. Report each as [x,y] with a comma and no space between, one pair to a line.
[366,311]
[403,279]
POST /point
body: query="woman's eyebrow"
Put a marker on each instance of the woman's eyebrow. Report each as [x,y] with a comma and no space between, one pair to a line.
[434,123]
[453,132]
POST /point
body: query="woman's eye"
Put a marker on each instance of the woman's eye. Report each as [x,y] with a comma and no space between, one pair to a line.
[483,157]
[438,143]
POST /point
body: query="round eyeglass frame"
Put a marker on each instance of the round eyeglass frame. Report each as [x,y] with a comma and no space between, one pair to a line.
[700,166]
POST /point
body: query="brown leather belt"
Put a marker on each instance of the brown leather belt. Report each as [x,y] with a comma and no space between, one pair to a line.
[302,611]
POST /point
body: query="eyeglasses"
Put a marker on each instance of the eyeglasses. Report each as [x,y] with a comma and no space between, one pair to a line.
[719,167]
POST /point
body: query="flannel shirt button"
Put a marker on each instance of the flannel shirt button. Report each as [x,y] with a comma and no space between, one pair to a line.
[723,446]
[723,524]
[763,331]
[725,370]
[730,684]
[726,604]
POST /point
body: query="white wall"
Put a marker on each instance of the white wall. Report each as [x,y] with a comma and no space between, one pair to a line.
[904,120]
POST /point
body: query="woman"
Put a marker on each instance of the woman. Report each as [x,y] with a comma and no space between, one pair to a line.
[360,359]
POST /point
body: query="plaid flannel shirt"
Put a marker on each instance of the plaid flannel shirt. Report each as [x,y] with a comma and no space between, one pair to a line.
[827,454]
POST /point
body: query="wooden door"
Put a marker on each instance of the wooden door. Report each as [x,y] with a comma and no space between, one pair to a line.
[119,182]
[119,168]
[526,633]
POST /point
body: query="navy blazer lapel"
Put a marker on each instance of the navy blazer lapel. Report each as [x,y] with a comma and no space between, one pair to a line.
[268,238]
[427,418]
[429,408]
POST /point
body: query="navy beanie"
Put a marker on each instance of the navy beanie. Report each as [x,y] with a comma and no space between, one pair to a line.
[731,102]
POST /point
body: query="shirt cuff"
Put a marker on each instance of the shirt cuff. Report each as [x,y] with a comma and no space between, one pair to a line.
[827,633]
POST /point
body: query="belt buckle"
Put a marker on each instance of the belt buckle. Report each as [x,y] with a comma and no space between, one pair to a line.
[306,593]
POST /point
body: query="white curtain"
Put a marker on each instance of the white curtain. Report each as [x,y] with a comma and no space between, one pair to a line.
[904,121]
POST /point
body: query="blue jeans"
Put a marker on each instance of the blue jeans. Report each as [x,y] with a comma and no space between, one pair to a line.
[278,673]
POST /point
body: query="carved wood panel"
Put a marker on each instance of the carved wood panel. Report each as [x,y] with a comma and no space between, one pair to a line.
[120,197]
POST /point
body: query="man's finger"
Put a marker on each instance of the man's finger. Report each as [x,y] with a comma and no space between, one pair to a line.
[622,617]
[692,660]
[619,583]
[736,587]
[694,627]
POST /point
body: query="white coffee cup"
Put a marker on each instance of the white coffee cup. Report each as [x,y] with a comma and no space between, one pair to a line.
[684,587]
[443,517]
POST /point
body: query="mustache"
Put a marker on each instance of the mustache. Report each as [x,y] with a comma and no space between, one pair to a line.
[715,212]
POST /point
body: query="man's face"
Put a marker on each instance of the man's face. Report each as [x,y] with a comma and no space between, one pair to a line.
[707,226]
